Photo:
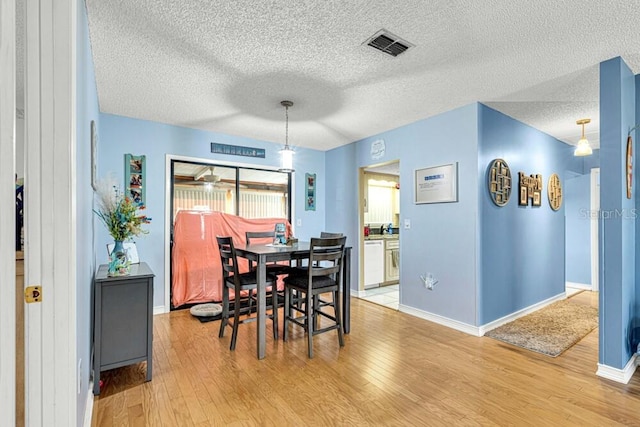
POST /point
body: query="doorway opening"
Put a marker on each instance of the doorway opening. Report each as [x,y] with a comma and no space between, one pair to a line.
[379,187]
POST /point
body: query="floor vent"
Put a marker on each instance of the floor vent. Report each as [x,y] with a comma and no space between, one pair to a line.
[388,43]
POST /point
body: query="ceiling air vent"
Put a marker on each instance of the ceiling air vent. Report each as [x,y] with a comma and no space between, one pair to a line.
[388,43]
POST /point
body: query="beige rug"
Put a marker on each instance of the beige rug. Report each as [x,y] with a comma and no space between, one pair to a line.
[550,330]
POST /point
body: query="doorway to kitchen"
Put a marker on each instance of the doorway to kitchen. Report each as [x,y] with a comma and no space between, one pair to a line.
[380,234]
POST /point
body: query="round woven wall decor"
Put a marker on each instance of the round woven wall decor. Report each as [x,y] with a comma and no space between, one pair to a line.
[499,182]
[554,191]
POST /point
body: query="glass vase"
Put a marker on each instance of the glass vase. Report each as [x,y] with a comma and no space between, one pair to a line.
[119,263]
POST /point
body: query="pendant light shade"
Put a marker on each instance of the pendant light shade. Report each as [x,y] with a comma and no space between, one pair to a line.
[286,154]
[583,148]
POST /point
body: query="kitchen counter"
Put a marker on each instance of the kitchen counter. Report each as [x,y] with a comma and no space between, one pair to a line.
[382,237]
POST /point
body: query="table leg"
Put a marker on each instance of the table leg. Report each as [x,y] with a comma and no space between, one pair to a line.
[262,306]
[346,291]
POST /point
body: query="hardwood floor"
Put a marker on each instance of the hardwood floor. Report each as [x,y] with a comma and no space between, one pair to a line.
[395,369]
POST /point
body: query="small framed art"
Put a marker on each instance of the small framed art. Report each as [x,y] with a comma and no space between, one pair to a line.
[438,184]
[135,178]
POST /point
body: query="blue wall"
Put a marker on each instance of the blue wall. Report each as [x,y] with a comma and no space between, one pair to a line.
[342,201]
[521,248]
[577,200]
[86,110]
[617,260]
[442,237]
[121,135]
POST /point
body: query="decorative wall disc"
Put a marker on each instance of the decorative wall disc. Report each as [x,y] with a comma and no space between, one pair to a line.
[629,166]
[554,191]
[499,182]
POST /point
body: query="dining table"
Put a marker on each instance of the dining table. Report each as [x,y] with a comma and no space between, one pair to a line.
[266,253]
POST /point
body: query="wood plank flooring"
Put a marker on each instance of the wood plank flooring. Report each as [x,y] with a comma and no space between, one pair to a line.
[394,370]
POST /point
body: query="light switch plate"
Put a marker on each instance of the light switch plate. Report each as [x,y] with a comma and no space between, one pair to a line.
[407,224]
[299,222]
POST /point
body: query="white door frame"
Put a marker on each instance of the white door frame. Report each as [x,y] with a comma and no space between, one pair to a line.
[50,211]
[595,221]
[7,213]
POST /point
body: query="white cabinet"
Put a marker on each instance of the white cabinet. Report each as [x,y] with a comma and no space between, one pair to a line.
[373,262]
[392,261]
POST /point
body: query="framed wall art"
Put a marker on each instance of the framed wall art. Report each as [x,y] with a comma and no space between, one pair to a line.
[310,191]
[135,178]
[437,184]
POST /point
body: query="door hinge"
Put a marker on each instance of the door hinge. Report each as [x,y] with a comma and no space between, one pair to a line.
[33,294]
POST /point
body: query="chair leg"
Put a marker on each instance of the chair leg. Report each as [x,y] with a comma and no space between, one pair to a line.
[236,320]
[336,307]
[310,323]
[287,312]
[225,310]
[274,310]
[316,308]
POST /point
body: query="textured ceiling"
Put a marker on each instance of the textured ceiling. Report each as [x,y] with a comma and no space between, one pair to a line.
[225,66]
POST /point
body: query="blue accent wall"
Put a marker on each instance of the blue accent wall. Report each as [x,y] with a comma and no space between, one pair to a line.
[577,200]
[121,135]
[342,200]
[521,248]
[442,238]
[86,110]
[617,261]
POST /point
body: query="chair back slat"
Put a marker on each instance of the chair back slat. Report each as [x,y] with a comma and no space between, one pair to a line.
[259,235]
[228,258]
[330,250]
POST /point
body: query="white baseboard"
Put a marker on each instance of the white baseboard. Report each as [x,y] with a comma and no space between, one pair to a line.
[440,320]
[619,375]
[576,285]
[513,316]
[357,294]
[159,309]
[88,407]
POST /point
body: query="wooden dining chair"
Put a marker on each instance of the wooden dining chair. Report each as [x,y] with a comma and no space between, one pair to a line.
[322,275]
[239,282]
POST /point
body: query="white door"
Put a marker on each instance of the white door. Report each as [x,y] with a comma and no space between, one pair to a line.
[7,213]
[595,221]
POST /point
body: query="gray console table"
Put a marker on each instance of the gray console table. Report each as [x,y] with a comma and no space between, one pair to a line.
[123,320]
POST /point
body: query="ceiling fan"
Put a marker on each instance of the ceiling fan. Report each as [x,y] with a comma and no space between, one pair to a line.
[207,177]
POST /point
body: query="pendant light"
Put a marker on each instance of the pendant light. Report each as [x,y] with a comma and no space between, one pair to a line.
[583,148]
[286,154]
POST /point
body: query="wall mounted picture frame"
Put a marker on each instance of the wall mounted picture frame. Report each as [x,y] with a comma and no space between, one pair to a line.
[135,178]
[94,156]
[437,184]
[310,191]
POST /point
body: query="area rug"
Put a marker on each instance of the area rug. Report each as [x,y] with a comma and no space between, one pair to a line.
[550,330]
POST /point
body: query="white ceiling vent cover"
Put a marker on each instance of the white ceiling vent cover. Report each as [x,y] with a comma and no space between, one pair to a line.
[388,43]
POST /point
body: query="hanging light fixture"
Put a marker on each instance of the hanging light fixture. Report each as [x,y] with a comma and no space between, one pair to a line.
[286,154]
[583,148]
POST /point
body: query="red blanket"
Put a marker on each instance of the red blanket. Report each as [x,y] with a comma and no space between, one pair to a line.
[196,269]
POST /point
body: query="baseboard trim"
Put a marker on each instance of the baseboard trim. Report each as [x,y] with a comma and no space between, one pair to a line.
[513,316]
[358,294]
[440,320]
[576,285]
[159,309]
[88,407]
[619,375]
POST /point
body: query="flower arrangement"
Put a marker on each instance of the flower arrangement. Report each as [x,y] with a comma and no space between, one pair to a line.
[119,213]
